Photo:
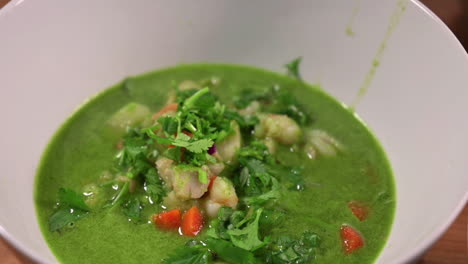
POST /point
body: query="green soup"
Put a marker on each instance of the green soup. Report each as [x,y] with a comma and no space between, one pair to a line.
[84,147]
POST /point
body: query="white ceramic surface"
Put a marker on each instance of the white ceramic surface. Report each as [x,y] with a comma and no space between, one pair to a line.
[55,53]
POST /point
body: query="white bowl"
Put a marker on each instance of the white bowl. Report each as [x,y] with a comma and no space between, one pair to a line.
[54,54]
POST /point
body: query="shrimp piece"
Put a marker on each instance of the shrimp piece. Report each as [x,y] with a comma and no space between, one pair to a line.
[280,128]
[321,143]
[227,149]
[222,193]
[186,185]
[165,169]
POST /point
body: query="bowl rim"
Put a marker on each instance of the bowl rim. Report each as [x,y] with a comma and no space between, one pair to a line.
[410,256]
[444,226]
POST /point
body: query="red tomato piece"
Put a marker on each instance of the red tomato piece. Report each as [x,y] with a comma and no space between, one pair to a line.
[351,238]
[360,210]
[192,222]
[168,220]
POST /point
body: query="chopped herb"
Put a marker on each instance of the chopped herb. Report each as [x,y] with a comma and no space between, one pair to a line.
[136,161]
[271,218]
[228,252]
[154,186]
[293,68]
[169,124]
[118,198]
[132,209]
[285,103]
[72,207]
[264,198]
[65,217]
[285,250]
[69,198]
[190,254]
[291,177]
[248,237]
[247,96]
[183,95]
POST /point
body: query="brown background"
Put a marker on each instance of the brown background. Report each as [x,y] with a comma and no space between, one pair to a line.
[452,248]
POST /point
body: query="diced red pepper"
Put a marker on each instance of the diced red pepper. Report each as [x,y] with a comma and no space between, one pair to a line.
[166,109]
[360,210]
[351,238]
[168,220]
[192,222]
[210,185]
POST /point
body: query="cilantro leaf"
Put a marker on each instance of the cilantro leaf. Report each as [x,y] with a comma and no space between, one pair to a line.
[118,198]
[189,255]
[136,161]
[271,218]
[230,253]
[183,95]
[285,103]
[285,249]
[181,140]
[227,219]
[293,68]
[133,159]
[201,99]
[247,96]
[264,198]
[72,207]
[275,100]
[174,154]
[69,198]
[246,123]
[200,145]
[132,209]
[169,124]
[255,150]
[65,217]
[247,237]
[291,176]
[255,175]
[154,185]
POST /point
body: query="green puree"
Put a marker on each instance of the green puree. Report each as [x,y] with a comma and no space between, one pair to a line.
[83,148]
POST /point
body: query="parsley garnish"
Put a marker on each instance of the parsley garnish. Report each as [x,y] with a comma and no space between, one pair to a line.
[275,100]
[286,249]
[190,254]
[293,68]
[72,207]
[247,237]
[136,161]
[132,209]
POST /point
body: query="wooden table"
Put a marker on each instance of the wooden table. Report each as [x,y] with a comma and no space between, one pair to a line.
[452,248]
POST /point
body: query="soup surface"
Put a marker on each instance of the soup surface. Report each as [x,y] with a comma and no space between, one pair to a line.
[330,197]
